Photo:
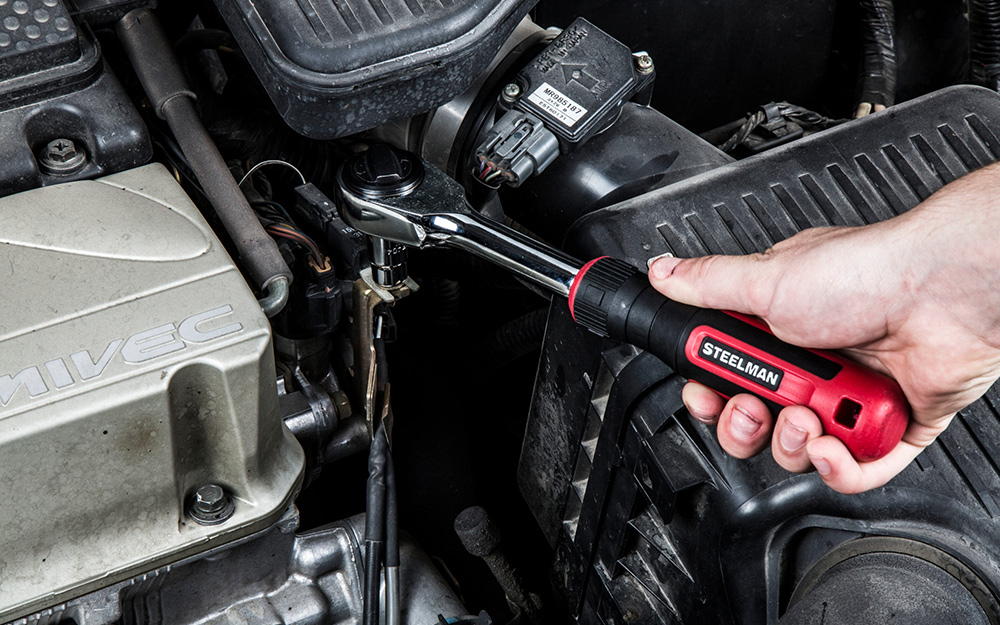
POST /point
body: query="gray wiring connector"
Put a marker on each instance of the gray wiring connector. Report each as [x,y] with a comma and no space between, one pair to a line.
[518,146]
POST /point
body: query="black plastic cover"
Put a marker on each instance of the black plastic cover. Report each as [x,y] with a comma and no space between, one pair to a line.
[99,12]
[858,173]
[335,67]
[645,150]
[55,85]
[652,522]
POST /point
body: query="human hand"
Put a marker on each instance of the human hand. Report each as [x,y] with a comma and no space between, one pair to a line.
[915,297]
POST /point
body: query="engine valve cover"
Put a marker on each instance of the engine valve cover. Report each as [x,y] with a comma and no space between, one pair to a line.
[135,367]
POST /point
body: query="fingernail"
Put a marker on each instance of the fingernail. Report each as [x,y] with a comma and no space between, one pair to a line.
[792,437]
[702,416]
[649,263]
[822,465]
[662,266]
[742,424]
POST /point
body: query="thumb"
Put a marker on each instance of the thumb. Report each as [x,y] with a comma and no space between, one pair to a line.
[738,283]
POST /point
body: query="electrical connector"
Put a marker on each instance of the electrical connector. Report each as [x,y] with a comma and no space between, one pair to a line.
[518,146]
[325,268]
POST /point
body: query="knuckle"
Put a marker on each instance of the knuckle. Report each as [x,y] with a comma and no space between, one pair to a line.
[757,289]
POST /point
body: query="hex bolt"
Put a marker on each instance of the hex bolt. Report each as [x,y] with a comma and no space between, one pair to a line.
[62,157]
[644,63]
[210,505]
[511,92]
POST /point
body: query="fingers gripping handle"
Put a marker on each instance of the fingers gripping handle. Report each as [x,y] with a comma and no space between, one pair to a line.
[734,353]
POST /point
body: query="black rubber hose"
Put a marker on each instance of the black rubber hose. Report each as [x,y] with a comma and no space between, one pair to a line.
[516,339]
[984,43]
[447,301]
[163,81]
[877,80]
[351,437]
[257,250]
[375,509]
[481,537]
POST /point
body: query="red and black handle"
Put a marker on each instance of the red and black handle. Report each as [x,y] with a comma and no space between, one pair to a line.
[733,353]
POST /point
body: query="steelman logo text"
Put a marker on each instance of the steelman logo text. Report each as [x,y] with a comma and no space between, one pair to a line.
[744,365]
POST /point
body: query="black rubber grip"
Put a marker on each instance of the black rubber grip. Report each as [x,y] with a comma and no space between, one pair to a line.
[614,299]
[597,284]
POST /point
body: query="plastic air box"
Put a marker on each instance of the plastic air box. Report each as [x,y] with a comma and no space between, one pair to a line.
[336,67]
[651,522]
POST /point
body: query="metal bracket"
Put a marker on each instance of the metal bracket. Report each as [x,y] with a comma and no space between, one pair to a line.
[367,295]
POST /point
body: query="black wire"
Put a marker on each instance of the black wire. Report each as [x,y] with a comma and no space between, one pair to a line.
[984,42]
[281,210]
[807,117]
[515,339]
[877,79]
[788,111]
[172,152]
[205,39]
[741,135]
[375,517]
[391,514]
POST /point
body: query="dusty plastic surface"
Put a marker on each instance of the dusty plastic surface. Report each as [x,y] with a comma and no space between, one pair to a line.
[54,84]
[135,366]
[334,68]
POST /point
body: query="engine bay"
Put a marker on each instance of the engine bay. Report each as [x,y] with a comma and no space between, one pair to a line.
[284,335]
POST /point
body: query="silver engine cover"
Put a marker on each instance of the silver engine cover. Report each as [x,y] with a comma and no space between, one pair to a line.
[135,366]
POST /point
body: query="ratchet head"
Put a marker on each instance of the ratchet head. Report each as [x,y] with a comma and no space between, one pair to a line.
[389,193]
[393,195]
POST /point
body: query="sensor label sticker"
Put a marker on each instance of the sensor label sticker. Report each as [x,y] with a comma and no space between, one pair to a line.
[741,364]
[556,104]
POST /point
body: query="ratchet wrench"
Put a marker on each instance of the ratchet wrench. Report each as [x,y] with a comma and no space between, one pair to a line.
[393,195]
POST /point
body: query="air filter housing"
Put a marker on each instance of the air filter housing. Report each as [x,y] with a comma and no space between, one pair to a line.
[336,67]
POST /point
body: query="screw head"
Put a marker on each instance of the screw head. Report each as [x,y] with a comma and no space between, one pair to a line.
[61,156]
[512,92]
[644,63]
[61,150]
[210,505]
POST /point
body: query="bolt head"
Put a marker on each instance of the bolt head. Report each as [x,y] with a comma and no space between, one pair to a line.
[61,150]
[644,63]
[512,92]
[62,156]
[210,505]
[210,497]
